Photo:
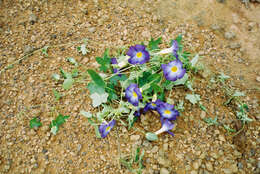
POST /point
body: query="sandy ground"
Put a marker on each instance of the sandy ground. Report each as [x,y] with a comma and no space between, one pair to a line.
[226,35]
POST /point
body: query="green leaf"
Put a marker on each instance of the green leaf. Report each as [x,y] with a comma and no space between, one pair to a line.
[151,136]
[153,44]
[193,98]
[203,108]
[167,84]
[211,121]
[156,88]
[56,76]
[161,96]
[179,40]
[114,79]
[98,99]
[72,61]
[35,122]
[86,114]
[144,79]
[94,88]
[56,94]
[137,152]
[61,119]
[131,119]
[45,51]
[110,89]
[148,78]
[75,73]
[65,74]
[55,124]
[104,61]
[9,66]
[96,78]
[222,77]
[67,84]
[229,129]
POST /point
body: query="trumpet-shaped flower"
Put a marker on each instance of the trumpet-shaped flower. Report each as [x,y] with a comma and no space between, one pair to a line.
[175,48]
[166,126]
[167,111]
[104,128]
[173,70]
[133,94]
[138,54]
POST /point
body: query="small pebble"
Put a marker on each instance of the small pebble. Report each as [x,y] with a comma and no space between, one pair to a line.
[134,137]
[164,171]
[258,78]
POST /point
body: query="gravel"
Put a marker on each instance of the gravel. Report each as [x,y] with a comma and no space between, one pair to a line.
[258,78]
[92,29]
[164,171]
[32,18]
[229,35]
[194,145]
[135,137]
[209,166]
[28,49]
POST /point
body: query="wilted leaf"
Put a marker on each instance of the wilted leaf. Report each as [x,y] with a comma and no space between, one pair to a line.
[194,60]
[93,88]
[193,98]
[54,130]
[238,94]
[151,136]
[67,84]
[72,61]
[98,99]
[56,76]
[86,114]
[181,81]
[56,94]
[82,48]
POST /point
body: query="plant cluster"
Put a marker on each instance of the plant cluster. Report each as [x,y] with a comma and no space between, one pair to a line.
[137,81]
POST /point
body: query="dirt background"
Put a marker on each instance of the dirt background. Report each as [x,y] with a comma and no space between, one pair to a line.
[225,33]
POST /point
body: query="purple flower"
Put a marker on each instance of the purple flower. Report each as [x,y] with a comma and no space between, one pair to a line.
[152,105]
[166,126]
[137,113]
[175,48]
[173,70]
[113,61]
[104,128]
[167,111]
[138,54]
[133,94]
